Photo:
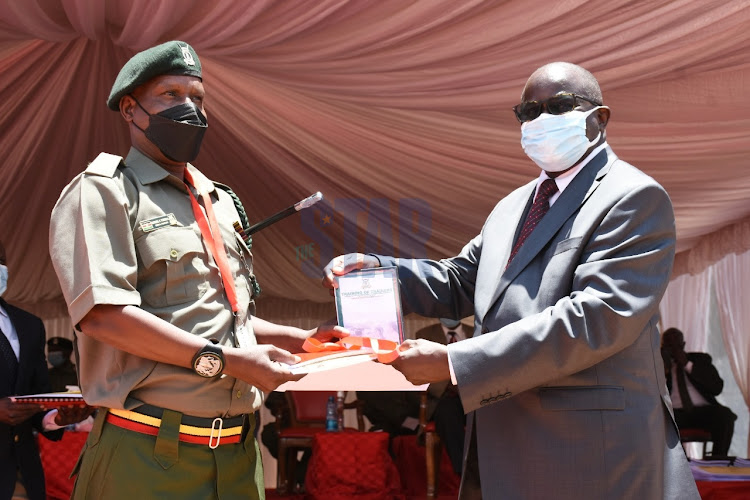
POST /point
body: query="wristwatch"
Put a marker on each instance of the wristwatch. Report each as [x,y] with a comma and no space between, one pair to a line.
[209,361]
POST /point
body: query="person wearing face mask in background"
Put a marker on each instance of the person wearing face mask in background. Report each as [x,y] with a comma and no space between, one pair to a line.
[63,376]
[63,372]
[160,288]
[23,371]
[562,377]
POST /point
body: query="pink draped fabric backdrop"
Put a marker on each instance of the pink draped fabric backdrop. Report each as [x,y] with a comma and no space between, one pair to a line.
[399,112]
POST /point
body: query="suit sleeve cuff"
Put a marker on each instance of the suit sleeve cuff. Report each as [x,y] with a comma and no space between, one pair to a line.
[385,260]
[48,422]
[453,372]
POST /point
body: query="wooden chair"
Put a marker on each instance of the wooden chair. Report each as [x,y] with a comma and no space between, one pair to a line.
[307,416]
[694,435]
[433,448]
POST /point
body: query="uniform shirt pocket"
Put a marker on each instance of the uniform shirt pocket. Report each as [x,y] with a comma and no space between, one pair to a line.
[173,269]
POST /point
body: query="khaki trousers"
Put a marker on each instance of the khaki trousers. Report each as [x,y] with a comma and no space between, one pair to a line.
[117,463]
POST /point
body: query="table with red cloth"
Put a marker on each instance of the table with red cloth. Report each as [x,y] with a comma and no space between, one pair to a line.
[722,479]
[724,490]
[351,464]
[58,460]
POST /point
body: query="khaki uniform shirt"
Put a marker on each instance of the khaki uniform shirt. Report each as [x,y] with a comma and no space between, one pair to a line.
[126,235]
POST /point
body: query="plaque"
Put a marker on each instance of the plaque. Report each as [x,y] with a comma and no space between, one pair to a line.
[368,304]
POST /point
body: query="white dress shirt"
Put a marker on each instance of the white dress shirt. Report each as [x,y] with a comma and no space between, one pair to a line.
[6,325]
[460,332]
[695,396]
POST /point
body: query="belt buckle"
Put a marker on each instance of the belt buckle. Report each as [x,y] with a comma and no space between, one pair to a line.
[214,428]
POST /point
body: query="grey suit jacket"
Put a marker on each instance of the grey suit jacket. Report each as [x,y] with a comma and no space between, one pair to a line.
[564,374]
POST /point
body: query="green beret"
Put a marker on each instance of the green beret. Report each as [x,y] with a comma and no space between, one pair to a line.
[170,58]
[60,342]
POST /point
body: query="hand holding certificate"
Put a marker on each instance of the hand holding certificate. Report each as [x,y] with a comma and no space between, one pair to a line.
[369,306]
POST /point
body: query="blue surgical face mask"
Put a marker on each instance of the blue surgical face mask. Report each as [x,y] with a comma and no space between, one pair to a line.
[557,142]
[3,279]
[56,358]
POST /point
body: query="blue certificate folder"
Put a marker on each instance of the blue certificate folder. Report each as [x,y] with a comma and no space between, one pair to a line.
[368,304]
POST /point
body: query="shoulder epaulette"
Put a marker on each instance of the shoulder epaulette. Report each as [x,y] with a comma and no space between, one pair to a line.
[104,165]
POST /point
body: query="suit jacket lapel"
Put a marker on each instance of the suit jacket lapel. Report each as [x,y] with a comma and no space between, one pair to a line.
[577,192]
[502,248]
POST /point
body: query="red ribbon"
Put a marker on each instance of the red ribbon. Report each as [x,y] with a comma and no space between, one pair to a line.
[212,237]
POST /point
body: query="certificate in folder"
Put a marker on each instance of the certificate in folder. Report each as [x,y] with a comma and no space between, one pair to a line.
[368,304]
[52,399]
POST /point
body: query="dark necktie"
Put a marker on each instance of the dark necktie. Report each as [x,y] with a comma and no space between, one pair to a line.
[9,357]
[451,336]
[687,403]
[538,209]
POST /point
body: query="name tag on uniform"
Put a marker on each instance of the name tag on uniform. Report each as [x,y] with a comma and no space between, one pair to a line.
[158,222]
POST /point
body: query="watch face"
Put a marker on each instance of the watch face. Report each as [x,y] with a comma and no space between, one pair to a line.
[208,364]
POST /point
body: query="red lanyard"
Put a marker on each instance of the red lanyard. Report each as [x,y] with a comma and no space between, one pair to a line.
[213,239]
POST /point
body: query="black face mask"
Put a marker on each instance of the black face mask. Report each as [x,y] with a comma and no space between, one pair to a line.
[177,131]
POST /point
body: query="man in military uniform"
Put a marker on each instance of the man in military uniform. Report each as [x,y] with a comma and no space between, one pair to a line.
[63,371]
[160,287]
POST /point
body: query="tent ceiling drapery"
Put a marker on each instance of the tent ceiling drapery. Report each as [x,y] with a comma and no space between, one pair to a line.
[379,104]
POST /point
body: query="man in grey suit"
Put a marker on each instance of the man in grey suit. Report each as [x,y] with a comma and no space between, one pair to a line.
[562,380]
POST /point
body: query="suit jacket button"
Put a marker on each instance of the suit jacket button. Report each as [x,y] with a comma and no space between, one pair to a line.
[15,438]
[485,330]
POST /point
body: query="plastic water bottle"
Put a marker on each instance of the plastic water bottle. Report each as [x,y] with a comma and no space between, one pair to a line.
[332,422]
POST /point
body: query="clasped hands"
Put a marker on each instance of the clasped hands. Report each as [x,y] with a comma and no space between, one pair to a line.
[421,361]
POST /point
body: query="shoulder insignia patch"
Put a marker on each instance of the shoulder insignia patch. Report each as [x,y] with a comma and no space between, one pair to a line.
[104,165]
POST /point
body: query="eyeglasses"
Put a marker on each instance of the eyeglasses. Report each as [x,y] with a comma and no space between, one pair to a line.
[555,105]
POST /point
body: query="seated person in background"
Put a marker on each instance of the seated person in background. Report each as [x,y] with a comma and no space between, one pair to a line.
[693,384]
[394,412]
[63,371]
[397,412]
[276,402]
